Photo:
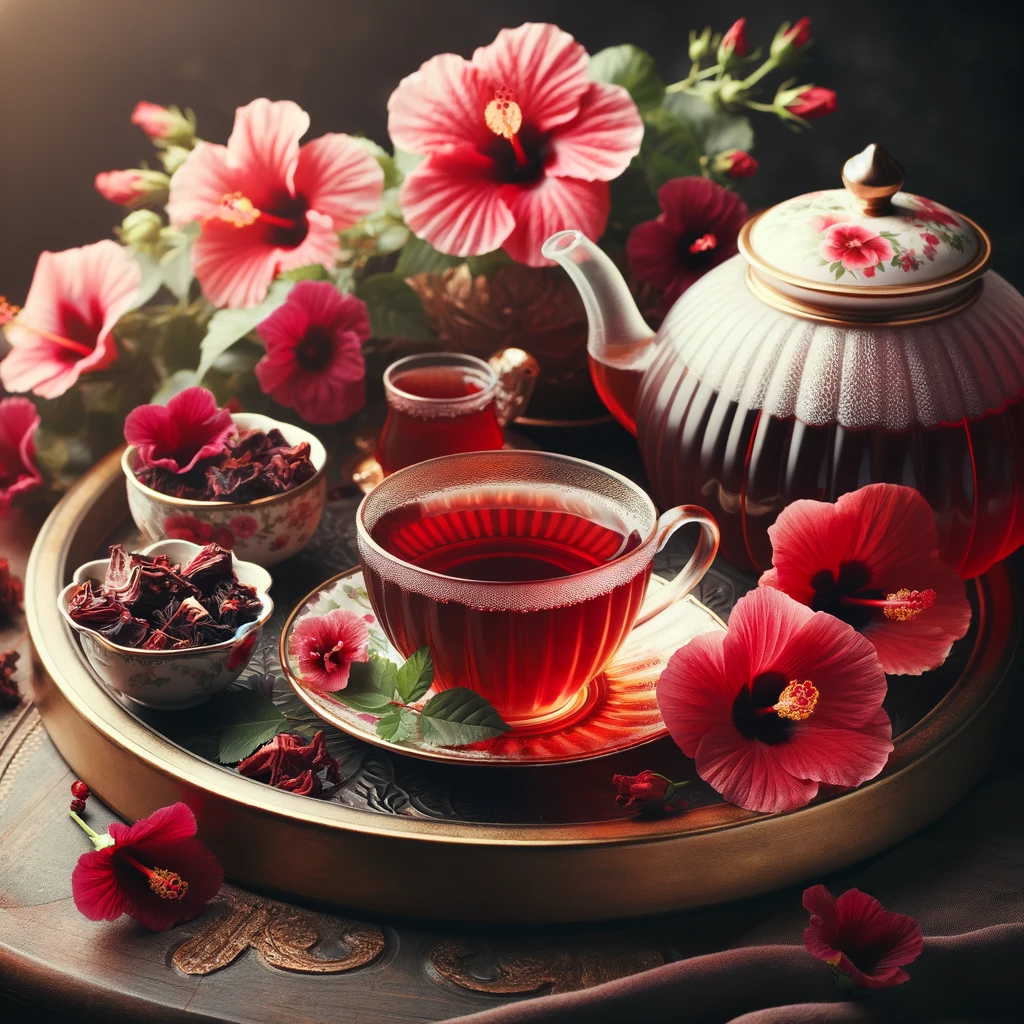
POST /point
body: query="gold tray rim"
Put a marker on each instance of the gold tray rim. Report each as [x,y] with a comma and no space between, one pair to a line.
[725,852]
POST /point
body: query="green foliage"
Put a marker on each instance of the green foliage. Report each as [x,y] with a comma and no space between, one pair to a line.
[713,129]
[420,257]
[670,148]
[397,725]
[415,677]
[456,717]
[251,720]
[633,69]
[394,308]
[314,272]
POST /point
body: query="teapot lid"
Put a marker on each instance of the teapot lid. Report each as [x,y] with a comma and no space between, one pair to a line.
[866,252]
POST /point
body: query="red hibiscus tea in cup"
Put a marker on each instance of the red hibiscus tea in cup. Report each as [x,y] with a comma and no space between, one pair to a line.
[522,571]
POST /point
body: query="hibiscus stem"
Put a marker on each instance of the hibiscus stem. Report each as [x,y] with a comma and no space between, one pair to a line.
[99,841]
[755,76]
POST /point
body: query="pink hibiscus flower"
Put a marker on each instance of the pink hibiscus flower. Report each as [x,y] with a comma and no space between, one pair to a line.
[696,230]
[854,246]
[314,361]
[186,527]
[18,470]
[66,326]
[265,204]
[325,646]
[244,527]
[519,144]
[823,221]
[177,435]
[872,560]
[786,699]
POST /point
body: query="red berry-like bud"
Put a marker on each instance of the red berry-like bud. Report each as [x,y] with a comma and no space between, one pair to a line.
[78,806]
[79,790]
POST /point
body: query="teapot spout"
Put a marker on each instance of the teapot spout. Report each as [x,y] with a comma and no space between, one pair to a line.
[618,340]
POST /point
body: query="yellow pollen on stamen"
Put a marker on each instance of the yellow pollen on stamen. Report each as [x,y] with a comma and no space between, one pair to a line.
[503,115]
[8,311]
[911,604]
[168,885]
[704,243]
[797,701]
[237,208]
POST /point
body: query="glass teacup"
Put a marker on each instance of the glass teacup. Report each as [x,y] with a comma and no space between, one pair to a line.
[523,571]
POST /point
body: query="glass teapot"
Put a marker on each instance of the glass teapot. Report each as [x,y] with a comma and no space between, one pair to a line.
[857,337]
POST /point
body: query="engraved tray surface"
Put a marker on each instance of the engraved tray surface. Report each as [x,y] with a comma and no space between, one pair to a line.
[524,829]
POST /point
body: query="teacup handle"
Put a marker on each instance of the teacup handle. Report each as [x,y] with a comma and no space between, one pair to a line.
[693,572]
[517,373]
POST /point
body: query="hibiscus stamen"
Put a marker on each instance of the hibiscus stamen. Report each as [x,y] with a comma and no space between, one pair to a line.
[797,701]
[704,244]
[238,210]
[168,885]
[504,117]
[8,311]
[899,606]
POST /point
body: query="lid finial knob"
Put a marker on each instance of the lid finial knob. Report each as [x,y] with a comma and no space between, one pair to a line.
[874,177]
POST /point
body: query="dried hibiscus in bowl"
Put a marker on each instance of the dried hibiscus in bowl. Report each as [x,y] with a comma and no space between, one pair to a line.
[153,604]
[190,449]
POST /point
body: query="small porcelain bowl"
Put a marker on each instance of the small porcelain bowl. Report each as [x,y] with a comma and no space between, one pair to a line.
[265,531]
[171,679]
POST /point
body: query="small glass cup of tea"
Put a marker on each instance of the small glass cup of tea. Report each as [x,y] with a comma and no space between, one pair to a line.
[443,403]
[523,571]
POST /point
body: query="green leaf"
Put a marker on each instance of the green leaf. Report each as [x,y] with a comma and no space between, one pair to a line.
[174,385]
[415,676]
[314,272]
[714,130]
[228,325]
[488,263]
[406,161]
[377,675]
[176,263]
[420,257]
[367,701]
[669,150]
[394,308]
[633,201]
[150,278]
[392,173]
[252,720]
[833,267]
[840,272]
[633,69]
[454,718]
[397,725]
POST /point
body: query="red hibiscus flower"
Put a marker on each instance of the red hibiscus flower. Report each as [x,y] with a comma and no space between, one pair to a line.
[314,361]
[133,188]
[187,528]
[166,124]
[287,763]
[265,204]
[860,938]
[177,435]
[649,791]
[735,163]
[785,700]
[66,326]
[18,469]
[325,646]
[519,143]
[734,42]
[854,246]
[871,559]
[696,230]
[244,527]
[812,101]
[156,871]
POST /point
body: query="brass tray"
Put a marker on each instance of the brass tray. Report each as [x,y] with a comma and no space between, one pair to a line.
[412,838]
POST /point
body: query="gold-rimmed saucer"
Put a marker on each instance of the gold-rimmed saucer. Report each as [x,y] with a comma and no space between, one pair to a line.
[617,712]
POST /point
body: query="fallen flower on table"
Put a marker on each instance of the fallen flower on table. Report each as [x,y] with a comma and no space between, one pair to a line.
[10,695]
[19,471]
[650,792]
[871,559]
[866,945]
[12,590]
[784,700]
[288,763]
[156,871]
[325,646]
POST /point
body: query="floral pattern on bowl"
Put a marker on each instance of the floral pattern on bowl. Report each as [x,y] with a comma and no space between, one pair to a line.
[823,237]
[171,679]
[265,531]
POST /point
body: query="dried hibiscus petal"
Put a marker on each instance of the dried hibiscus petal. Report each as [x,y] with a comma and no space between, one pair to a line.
[287,763]
[158,640]
[106,615]
[209,568]
[236,603]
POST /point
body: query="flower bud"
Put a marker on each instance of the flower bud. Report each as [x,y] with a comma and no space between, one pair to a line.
[734,163]
[790,41]
[700,45]
[141,229]
[806,101]
[731,91]
[133,188]
[734,42]
[165,124]
[172,157]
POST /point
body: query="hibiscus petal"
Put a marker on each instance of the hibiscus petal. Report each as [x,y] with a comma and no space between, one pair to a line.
[747,773]
[94,887]
[441,104]
[454,202]
[597,144]
[545,68]
[693,202]
[762,627]
[553,204]
[653,252]
[694,694]
[167,824]
[200,183]
[837,756]
[194,863]
[895,939]
[264,144]
[234,270]
[320,245]
[339,177]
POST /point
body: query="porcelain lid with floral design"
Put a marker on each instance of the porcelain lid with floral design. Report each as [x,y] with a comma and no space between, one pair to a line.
[867,241]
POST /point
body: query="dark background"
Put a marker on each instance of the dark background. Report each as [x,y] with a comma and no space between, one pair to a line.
[937,83]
